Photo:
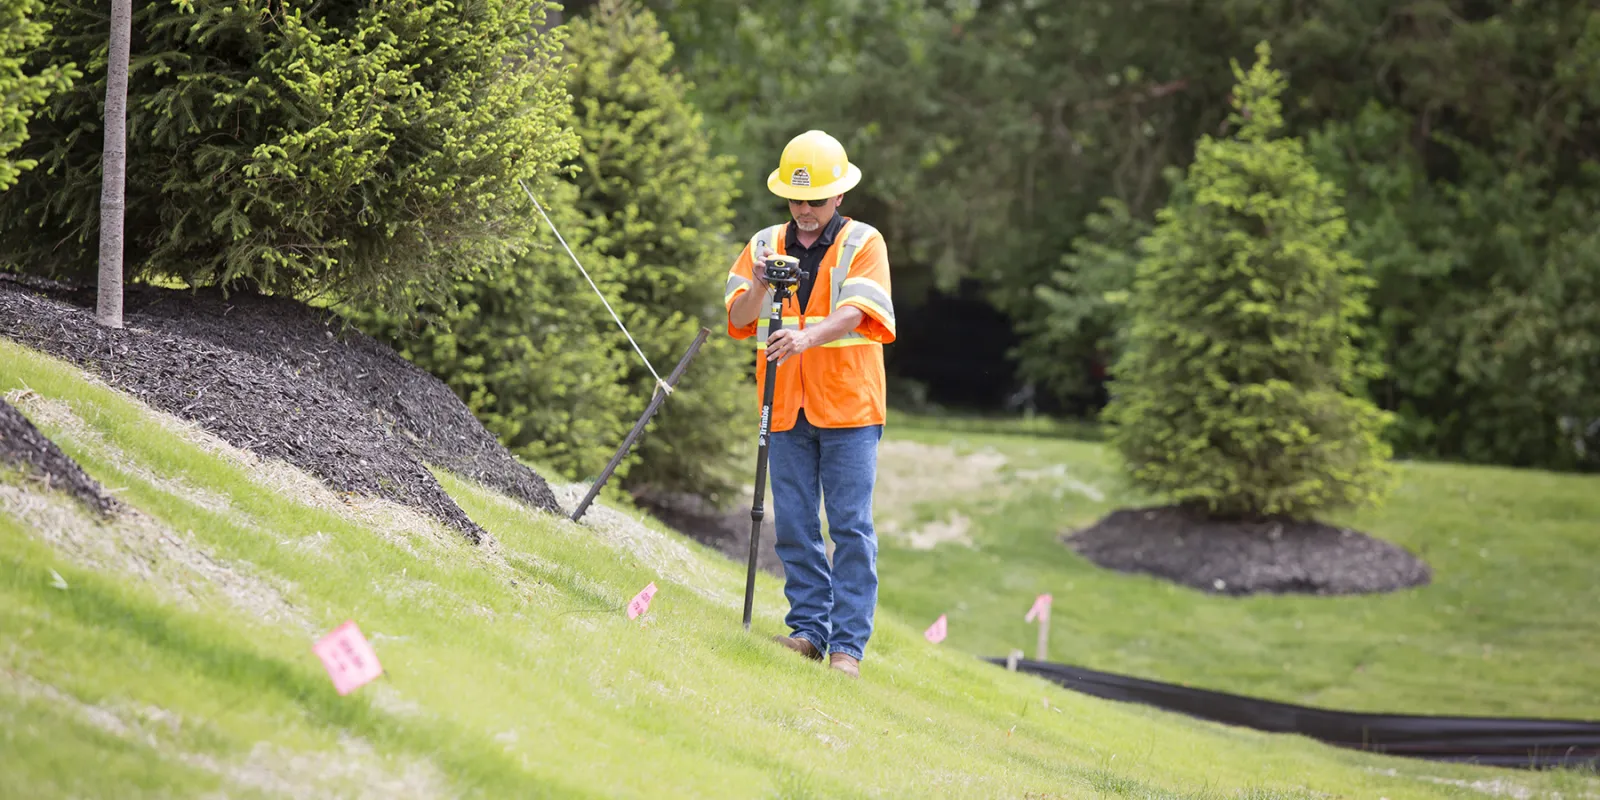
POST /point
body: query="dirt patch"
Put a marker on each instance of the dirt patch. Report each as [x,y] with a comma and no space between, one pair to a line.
[668,555]
[912,472]
[353,769]
[909,473]
[180,568]
[728,532]
[66,426]
[1247,557]
[282,380]
[952,529]
[170,562]
[1062,481]
[1499,787]
[23,446]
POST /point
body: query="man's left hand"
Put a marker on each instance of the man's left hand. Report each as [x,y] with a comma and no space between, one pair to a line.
[786,342]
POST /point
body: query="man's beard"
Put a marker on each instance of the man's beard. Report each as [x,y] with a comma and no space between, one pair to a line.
[807,226]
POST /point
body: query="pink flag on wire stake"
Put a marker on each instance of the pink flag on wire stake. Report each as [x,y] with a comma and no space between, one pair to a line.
[350,661]
[935,632]
[1040,610]
[641,601]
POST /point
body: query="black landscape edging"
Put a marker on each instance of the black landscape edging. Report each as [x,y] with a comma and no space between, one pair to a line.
[1488,741]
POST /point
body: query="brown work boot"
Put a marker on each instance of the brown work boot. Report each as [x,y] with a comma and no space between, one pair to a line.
[845,663]
[802,646]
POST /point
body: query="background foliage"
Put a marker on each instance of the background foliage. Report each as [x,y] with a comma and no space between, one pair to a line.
[1016,154]
[1023,145]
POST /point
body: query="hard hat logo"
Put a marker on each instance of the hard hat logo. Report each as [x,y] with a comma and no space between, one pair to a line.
[813,167]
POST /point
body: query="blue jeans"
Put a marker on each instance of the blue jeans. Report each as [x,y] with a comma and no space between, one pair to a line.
[830,607]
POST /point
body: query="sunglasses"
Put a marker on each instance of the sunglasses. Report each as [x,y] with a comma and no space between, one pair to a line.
[812,203]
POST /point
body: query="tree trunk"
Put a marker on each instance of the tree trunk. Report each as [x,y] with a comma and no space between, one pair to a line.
[114,166]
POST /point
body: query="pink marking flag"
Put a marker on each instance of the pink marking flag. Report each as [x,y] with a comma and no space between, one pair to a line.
[348,658]
[1041,608]
[641,601]
[935,632]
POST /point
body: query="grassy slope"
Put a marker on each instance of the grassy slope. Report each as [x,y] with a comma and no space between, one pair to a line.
[511,669]
[1507,627]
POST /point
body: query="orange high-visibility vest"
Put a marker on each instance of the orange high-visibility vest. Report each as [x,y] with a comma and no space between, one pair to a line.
[840,384]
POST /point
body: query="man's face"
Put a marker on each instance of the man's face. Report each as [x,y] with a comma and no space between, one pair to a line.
[808,217]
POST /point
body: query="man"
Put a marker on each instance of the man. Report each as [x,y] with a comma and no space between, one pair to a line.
[828,402]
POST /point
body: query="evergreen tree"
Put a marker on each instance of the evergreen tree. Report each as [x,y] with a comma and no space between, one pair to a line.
[345,146]
[531,348]
[660,203]
[520,344]
[21,94]
[1237,394]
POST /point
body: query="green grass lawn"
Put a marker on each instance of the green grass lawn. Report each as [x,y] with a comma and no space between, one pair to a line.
[169,654]
[1510,624]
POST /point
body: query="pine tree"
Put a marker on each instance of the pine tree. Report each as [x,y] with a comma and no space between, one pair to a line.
[1238,392]
[343,147]
[661,208]
[21,94]
[646,208]
[520,344]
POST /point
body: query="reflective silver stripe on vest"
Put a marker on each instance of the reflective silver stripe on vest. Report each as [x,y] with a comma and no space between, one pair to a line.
[864,290]
[850,339]
[871,294]
[735,283]
[854,237]
[789,323]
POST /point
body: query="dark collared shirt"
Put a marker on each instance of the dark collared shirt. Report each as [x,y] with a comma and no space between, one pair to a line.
[810,257]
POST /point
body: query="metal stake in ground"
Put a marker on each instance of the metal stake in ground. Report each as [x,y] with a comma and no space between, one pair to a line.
[783,272]
[638,427]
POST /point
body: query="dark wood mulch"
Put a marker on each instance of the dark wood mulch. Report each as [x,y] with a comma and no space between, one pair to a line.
[321,344]
[282,380]
[1247,557]
[22,446]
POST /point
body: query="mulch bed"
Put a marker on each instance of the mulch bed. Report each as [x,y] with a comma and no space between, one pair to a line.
[324,346]
[23,446]
[1272,556]
[283,380]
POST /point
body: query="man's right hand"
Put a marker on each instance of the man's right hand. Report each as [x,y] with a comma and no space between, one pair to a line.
[758,269]
[747,307]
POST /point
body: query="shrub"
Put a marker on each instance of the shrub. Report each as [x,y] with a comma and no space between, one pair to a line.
[1239,390]
[342,147]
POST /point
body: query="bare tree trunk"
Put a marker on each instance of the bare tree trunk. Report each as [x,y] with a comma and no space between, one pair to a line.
[113,166]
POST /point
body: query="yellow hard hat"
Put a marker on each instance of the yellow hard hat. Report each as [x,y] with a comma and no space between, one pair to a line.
[813,167]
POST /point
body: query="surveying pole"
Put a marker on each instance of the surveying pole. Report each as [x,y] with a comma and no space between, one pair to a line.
[783,272]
